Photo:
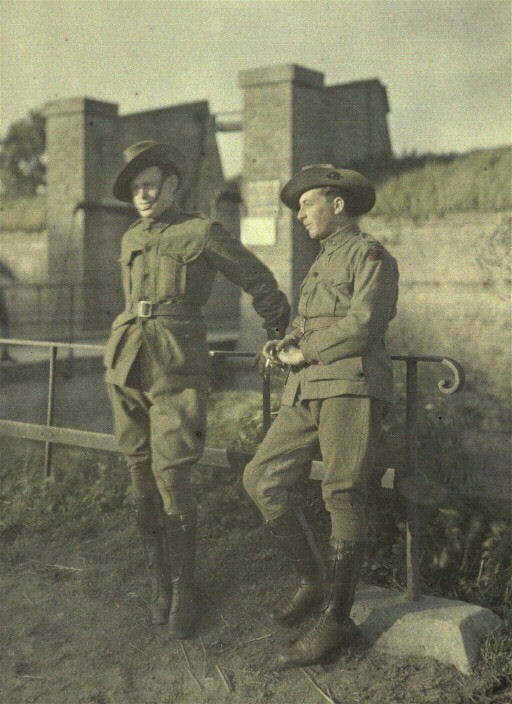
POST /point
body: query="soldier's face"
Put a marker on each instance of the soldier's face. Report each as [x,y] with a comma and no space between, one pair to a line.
[150,196]
[320,216]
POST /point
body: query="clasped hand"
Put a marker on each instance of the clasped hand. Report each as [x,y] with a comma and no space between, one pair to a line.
[279,353]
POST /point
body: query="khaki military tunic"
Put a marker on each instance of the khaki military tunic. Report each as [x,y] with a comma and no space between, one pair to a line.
[172,263]
[347,300]
[156,359]
[336,399]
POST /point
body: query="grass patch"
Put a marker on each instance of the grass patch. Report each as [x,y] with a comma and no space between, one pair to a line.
[432,186]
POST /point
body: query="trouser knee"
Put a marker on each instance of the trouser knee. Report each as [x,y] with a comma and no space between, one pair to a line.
[251,480]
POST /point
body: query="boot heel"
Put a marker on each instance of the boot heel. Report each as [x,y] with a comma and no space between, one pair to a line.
[334,629]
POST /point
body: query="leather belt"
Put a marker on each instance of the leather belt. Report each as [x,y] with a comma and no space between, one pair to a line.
[174,309]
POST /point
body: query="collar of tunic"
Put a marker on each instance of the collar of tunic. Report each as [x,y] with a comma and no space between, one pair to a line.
[336,239]
[146,231]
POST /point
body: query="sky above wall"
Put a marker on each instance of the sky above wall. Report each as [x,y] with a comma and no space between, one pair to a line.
[446,64]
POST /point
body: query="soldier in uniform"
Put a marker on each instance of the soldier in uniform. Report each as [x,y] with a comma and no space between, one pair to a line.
[157,362]
[339,383]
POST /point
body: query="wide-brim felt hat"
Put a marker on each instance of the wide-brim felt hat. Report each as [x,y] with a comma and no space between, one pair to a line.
[359,192]
[142,155]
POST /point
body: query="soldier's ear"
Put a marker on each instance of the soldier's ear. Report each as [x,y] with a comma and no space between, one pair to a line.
[172,181]
[339,205]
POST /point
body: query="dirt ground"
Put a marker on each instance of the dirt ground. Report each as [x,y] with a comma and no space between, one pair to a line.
[75,631]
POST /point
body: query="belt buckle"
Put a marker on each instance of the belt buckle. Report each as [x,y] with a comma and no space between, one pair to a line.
[144,309]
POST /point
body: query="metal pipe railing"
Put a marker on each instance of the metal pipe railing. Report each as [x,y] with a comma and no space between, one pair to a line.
[100,441]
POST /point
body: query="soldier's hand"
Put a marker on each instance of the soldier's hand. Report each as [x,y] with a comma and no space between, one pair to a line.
[263,358]
[270,350]
[269,355]
[291,355]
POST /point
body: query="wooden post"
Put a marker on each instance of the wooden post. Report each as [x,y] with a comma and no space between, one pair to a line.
[265,392]
[413,521]
[49,412]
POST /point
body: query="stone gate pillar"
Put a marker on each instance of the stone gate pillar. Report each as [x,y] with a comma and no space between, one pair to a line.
[284,128]
[81,137]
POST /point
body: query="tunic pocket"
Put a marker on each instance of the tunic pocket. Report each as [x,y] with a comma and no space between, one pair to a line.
[171,280]
[173,258]
[349,368]
[342,296]
[130,260]
[188,349]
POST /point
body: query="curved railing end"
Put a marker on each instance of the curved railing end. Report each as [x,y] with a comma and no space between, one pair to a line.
[456,383]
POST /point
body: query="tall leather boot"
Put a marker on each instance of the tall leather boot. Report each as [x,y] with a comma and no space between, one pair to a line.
[334,628]
[153,539]
[289,533]
[181,538]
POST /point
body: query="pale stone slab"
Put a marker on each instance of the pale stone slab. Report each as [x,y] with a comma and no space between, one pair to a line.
[449,631]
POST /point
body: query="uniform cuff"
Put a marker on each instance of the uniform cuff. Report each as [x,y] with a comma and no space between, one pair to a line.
[309,351]
[276,333]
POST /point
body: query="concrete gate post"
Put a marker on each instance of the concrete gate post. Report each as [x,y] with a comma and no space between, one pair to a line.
[283,129]
[82,140]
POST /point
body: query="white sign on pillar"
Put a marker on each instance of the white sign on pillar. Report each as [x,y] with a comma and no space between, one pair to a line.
[258,231]
[261,199]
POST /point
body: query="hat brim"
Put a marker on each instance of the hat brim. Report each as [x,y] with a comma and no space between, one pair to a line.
[156,155]
[359,191]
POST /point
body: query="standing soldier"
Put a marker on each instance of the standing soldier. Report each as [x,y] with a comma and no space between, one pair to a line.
[157,362]
[339,383]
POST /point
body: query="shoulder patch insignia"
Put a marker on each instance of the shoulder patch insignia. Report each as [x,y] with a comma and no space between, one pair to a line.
[374,254]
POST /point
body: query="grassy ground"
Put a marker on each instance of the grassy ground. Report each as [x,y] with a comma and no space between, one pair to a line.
[75,631]
[74,597]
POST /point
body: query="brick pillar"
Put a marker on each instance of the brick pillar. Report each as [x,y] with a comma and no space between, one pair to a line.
[81,136]
[284,128]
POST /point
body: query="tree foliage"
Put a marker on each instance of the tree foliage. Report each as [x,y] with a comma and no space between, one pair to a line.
[22,167]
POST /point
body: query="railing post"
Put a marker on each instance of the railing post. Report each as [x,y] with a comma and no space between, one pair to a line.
[413,521]
[39,306]
[265,398]
[71,322]
[49,412]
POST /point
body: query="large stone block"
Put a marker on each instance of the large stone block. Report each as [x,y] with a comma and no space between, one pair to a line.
[449,631]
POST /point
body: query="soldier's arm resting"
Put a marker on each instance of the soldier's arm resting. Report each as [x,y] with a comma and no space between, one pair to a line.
[244,269]
[372,306]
